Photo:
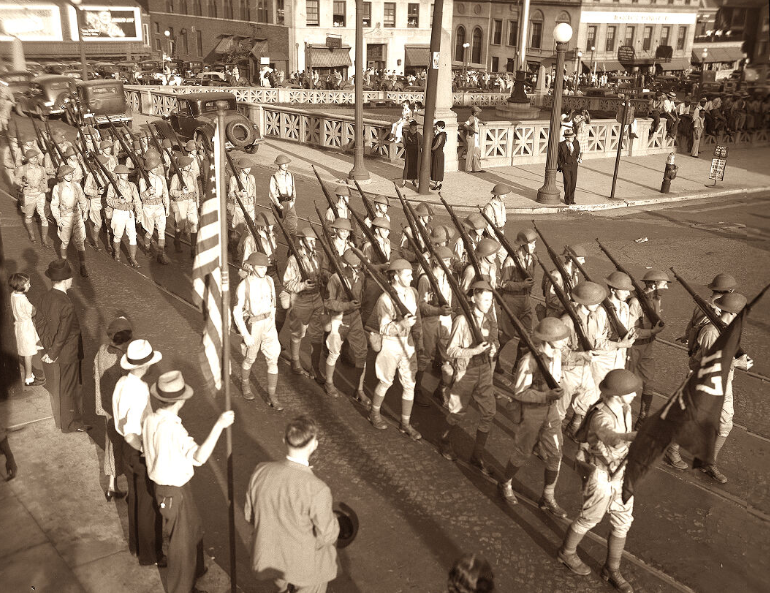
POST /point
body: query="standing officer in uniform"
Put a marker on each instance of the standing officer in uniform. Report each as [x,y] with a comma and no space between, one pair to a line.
[124,207]
[568,160]
[185,201]
[255,304]
[171,456]
[472,374]
[155,208]
[535,415]
[69,207]
[33,181]
[608,432]
[283,193]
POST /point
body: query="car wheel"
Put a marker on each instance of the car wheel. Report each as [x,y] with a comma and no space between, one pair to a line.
[239,133]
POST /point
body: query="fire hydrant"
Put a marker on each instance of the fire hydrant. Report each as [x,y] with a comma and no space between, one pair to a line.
[669,174]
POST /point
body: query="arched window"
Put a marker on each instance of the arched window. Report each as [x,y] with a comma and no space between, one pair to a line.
[459,42]
[213,8]
[536,30]
[563,18]
[476,46]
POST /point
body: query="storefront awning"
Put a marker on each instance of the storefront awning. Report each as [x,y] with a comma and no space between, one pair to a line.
[227,44]
[417,55]
[325,57]
[609,66]
[675,64]
[718,54]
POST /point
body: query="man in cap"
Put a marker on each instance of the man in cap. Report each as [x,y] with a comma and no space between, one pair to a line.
[33,181]
[342,193]
[607,434]
[171,456]
[641,359]
[399,346]
[728,306]
[295,529]
[473,142]
[155,208]
[184,205]
[472,374]
[58,326]
[346,324]
[553,306]
[69,208]
[307,310]
[247,195]
[283,193]
[495,208]
[130,407]
[534,413]
[569,157]
[124,206]
[721,284]
[672,117]
[95,192]
[436,325]
[254,316]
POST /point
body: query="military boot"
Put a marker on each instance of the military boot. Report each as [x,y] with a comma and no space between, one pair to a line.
[94,242]
[82,259]
[116,251]
[44,236]
[673,458]
[30,230]
[376,419]
[148,244]
[568,555]
[132,256]
[178,241]
[162,257]
[246,384]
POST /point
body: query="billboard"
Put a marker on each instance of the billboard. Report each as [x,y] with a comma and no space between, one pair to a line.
[30,22]
[107,23]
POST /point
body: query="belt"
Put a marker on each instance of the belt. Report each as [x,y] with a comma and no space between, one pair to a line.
[523,292]
[643,341]
[478,360]
[186,198]
[152,202]
[531,404]
[285,199]
[308,292]
[121,206]
[260,317]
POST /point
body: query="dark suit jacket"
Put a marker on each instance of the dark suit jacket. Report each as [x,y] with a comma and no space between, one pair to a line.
[566,159]
[58,327]
[295,529]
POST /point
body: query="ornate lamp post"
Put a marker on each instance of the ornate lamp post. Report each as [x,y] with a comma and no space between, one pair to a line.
[359,172]
[549,193]
[466,45]
[167,33]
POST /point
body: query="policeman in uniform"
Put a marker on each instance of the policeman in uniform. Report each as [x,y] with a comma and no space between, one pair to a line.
[399,347]
[33,181]
[124,206]
[306,315]
[248,197]
[553,306]
[342,192]
[608,432]
[69,208]
[155,208]
[283,193]
[255,305]
[185,201]
[535,414]
[472,374]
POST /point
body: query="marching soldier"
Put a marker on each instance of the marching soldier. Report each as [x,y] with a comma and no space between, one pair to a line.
[436,325]
[553,306]
[495,208]
[399,350]
[342,192]
[620,290]
[283,193]
[124,206]
[106,148]
[254,316]
[155,208]
[607,434]
[535,414]
[248,198]
[441,236]
[475,225]
[381,205]
[486,253]
[196,166]
[472,374]
[33,181]
[73,160]
[721,284]
[94,193]
[69,208]
[424,215]
[381,232]
[346,324]
[92,139]
[61,141]
[184,204]
[306,315]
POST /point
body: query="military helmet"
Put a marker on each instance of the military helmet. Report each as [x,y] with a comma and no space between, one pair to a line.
[476,221]
[423,209]
[342,190]
[151,161]
[732,302]
[190,146]
[501,189]
[342,224]
[244,163]
[264,219]
[381,222]
[399,264]
[103,159]
[122,170]
[105,144]
[526,236]
[487,247]
[31,153]
[551,329]
[379,199]
[620,382]
[257,259]
[481,285]
[64,170]
[69,152]
[351,259]
[166,143]
[444,252]
[588,293]
[307,233]
[576,250]
[184,161]
[723,283]
[441,234]
[282,159]
[620,281]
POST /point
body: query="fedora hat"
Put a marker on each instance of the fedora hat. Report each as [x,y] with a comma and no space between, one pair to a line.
[348,521]
[59,269]
[568,132]
[138,354]
[170,387]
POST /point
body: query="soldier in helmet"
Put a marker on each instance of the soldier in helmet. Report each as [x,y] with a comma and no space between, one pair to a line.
[307,310]
[641,359]
[441,236]
[73,160]
[475,226]
[155,208]
[553,306]
[69,207]
[58,137]
[184,205]
[283,193]
[472,374]
[398,353]
[534,412]
[424,216]
[247,195]
[381,205]
[495,208]
[341,230]
[254,316]
[620,286]
[95,192]
[342,192]
[196,166]
[106,148]
[31,177]
[728,306]
[608,433]
[381,232]
[124,206]
[721,284]
[486,254]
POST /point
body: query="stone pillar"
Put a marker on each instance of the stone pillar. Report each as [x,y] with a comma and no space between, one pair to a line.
[18,63]
[444,95]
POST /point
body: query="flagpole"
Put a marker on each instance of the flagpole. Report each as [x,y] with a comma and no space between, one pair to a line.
[222,107]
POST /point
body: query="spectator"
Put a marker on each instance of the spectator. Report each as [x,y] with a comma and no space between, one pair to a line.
[437,156]
[655,108]
[412,150]
[27,340]
[472,142]
[7,103]
[698,116]
[471,574]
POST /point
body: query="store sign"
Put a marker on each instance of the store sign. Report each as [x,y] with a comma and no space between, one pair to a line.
[334,41]
[30,22]
[650,18]
[107,23]
[626,53]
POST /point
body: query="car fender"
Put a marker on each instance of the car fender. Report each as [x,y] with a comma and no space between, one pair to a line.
[164,127]
[206,129]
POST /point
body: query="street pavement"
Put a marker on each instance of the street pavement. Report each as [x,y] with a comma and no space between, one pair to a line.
[418,511]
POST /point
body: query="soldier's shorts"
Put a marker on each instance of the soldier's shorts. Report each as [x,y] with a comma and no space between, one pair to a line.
[351,329]
[185,215]
[95,211]
[154,217]
[235,214]
[397,356]
[533,424]
[73,227]
[580,389]
[123,221]
[265,340]
[35,203]
[474,384]
[600,496]
[307,316]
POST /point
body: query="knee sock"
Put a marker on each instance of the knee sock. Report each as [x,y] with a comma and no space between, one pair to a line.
[615,547]
[510,471]
[549,480]
[378,398]
[718,444]
[406,410]
[571,541]
[272,383]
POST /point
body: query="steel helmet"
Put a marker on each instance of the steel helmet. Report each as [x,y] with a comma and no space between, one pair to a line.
[105,144]
[151,161]
[576,250]
[476,221]
[620,281]
[526,236]
[487,247]
[307,233]
[264,219]
[423,209]
[351,259]
[441,234]
[342,224]
[190,146]
[64,170]
[378,199]
[184,161]
[551,329]
[122,170]
[282,159]
[257,259]
[501,189]
[655,276]
[732,302]
[723,283]
[399,264]
[444,252]
[481,285]
[620,382]
[588,293]
[342,190]
[381,222]
[69,152]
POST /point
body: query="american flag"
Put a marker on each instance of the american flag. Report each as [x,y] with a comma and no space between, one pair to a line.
[207,271]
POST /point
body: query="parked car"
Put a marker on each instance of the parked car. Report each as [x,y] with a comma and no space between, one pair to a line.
[207,79]
[100,98]
[47,95]
[18,82]
[196,115]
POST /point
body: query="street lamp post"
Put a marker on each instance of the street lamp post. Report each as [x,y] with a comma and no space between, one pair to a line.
[81,45]
[578,56]
[167,33]
[466,45]
[359,172]
[593,51]
[704,55]
[549,193]
[308,67]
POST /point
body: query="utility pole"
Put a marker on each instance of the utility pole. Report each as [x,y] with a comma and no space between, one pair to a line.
[359,172]
[431,90]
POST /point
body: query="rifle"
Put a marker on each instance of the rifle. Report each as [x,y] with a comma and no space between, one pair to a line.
[412,220]
[53,144]
[171,158]
[620,329]
[290,243]
[647,307]
[584,343]
[178,141]
[247,217]
[42,141]
[106,172]
[332,205]
[550,381]
[708,311]
[370,236]
[556,260]
[18,143]
[367,204]
[137,165]
[469,249]
[328,250]
[88,166]
[506,245]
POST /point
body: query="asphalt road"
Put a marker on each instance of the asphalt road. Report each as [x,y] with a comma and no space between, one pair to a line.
[418,512]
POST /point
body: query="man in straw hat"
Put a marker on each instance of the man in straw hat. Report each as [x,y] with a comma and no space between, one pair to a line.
[130,407]
[283,193]
[124,206]
[69,207]
[172,456]
[155,208]
[58,326]
[32,178]
[184,204]
[569,157]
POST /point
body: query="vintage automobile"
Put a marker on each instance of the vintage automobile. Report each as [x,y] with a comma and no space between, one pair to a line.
[18,82]
[47,95]
[196,115]
[207,79]
[100,98]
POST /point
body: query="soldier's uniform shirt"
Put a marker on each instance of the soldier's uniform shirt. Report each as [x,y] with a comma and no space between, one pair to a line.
[68,206]
[553,306]
[342,210]
[623,313]
[516,296]
[697,320]
[124,206]
[254,310]
[461,257]
[34,193]
[495,210]
[371,290]
[154,206]
[91,189]
[489,272]
[184,205]
[435,327]
[306,313]
[399,351]
[345,322]
[233,209]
